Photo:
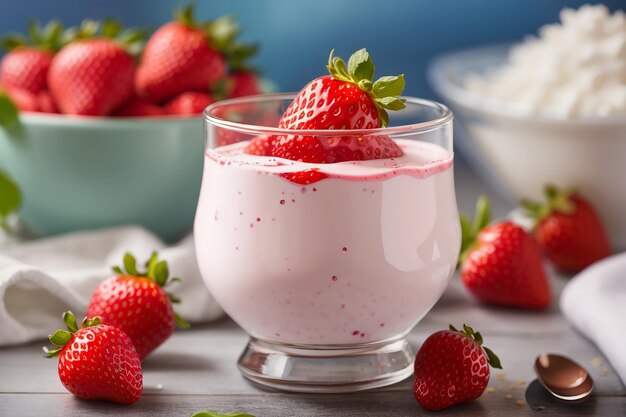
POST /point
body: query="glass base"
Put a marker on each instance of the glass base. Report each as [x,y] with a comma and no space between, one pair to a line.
[327,369]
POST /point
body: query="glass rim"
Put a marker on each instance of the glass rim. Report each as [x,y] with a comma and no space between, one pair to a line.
[428,125]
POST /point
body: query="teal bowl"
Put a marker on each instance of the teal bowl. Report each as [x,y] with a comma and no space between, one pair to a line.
[80,173]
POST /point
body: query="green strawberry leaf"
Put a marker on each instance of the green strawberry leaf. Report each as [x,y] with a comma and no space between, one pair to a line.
[52,33]
[151,264]
[214,414]
[88,28]
[181,322]
[493,360]
[468,330]
[222,32]
[34,32]
[185,16]
[483,215]
[161,273]
[466,231]
[389,86]
[8,111]
[237,54]
[361,66]
[90,322]
[11,198]
[391,103]
[111,28]
[130,264]
[60,337]
[383,116]
[70,321]
[12,41]
[49,353]
[118,270]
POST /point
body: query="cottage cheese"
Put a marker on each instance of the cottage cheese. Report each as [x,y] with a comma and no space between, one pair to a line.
[573,69]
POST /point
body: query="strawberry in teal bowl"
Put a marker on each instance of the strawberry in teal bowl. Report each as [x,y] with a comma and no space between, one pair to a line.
[101,125]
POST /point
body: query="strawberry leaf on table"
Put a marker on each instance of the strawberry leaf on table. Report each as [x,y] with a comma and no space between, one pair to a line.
[10,198]
[214,414]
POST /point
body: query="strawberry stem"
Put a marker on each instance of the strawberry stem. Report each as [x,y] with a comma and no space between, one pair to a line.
[156,271]
[62,337]
[131,39]
[47,38]
[556,201]
[360,71]
[492,359]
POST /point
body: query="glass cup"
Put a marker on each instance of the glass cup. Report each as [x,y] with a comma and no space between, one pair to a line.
[327,273]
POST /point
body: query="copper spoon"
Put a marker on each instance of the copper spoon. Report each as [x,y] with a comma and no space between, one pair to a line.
[562,377]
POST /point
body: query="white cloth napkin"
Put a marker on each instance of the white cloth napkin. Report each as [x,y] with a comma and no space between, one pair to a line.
[594,301]
[41,279]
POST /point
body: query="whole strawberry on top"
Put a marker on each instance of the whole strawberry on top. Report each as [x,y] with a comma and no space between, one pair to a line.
[348,98]
[25,66]
[181,56]
[501,264]
[568,229]
[137,303]
[452,367]
[93,75]
[97,361]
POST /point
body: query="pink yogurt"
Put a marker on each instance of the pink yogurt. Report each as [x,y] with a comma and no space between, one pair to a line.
[360,256]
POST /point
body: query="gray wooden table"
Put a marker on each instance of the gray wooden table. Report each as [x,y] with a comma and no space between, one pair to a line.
[195,370]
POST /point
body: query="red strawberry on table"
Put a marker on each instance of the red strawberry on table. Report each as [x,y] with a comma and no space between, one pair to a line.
[568,230]
[139,107]
[191,103]
[97,361]
[179,57]
[345,99]
[93,75]
[501,264]
[452,367]
[25,66]
[137,303]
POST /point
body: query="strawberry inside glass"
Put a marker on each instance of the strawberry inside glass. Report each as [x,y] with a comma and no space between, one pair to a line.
[327,226]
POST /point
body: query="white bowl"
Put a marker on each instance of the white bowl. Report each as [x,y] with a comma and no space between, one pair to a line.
[519,154]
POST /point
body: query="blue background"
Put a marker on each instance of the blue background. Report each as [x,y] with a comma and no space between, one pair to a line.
[297,35]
